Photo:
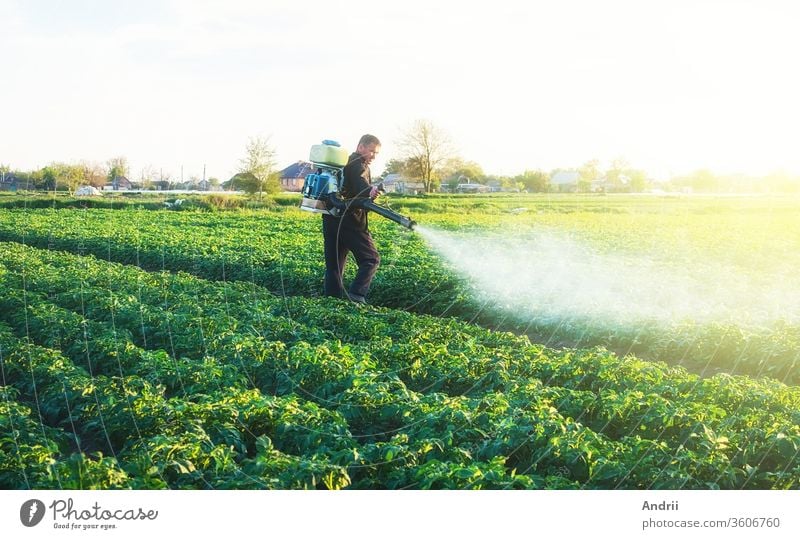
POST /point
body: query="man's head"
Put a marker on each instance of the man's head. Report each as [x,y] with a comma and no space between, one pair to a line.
[368,148]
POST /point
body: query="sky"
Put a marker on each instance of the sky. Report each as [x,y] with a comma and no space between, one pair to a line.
[670,86]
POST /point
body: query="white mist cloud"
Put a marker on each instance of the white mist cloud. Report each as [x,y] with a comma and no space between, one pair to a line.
[549,275]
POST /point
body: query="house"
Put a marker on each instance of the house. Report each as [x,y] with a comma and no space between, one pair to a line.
[565,180]
[121,183]
[397,183]
[204,185]
[390,183]
[293,176]
[9,182]
[494,186]
[598,185]
[605,185]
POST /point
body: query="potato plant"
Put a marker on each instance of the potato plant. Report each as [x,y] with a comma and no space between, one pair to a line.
[119,377]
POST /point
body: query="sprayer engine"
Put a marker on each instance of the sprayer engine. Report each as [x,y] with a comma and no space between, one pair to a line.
[330,159]
[322,187]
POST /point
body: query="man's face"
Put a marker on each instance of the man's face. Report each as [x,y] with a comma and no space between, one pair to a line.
[368,152]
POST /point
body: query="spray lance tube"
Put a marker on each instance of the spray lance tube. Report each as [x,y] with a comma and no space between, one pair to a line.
[368,204]
[389,214]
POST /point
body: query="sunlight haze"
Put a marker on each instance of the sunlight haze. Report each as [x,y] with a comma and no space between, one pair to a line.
[670,86]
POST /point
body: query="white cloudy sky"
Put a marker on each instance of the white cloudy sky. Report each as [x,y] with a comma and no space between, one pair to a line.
[671,86]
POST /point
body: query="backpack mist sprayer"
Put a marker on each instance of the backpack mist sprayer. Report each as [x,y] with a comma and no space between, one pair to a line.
[322,187]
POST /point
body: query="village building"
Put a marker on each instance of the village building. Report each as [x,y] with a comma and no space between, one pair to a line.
[120,183]
[397,183]
[293,176]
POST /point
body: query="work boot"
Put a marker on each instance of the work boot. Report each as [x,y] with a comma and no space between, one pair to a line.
[355,298]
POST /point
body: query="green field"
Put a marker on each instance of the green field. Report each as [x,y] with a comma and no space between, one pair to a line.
[513,342]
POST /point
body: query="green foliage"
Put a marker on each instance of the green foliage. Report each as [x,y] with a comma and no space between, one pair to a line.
[257,169]
[456,171]
[589,172]
[117,377]
[534,181]
[284,256]
[219,202]
[117,167]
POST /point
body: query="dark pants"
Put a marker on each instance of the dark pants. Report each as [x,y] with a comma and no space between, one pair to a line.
[340,240]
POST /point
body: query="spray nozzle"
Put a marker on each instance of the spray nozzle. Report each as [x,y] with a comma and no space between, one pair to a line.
[389,214]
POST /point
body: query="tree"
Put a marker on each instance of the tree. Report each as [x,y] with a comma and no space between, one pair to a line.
[71,177]
[395,166]
[618,169]
[704,181]
[60,176]
[536,181]
[466,170]
[588,172]
[29,180]
[455,171]
[150,177]
[623,178]
[244,181]
[506,182]
[49,178]
[259,162]
[638,181]
[93,174]
[425,148]
[117,167]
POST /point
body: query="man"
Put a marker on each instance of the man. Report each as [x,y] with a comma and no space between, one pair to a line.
[349,232]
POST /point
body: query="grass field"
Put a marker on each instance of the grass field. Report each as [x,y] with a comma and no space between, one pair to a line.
[526,341]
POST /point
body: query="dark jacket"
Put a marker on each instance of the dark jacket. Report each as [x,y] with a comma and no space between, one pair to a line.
[356,184]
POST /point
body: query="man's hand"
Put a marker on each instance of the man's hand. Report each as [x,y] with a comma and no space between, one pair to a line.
[374,192]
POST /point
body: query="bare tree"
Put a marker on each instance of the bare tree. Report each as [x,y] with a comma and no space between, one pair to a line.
[425,148]
[589,172]
[149,176]
[93,174]
[260,162]
[617,170]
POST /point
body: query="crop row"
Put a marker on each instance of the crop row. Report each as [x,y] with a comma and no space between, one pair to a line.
[281,251]
[67,328]
[154,441]
[445,395]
